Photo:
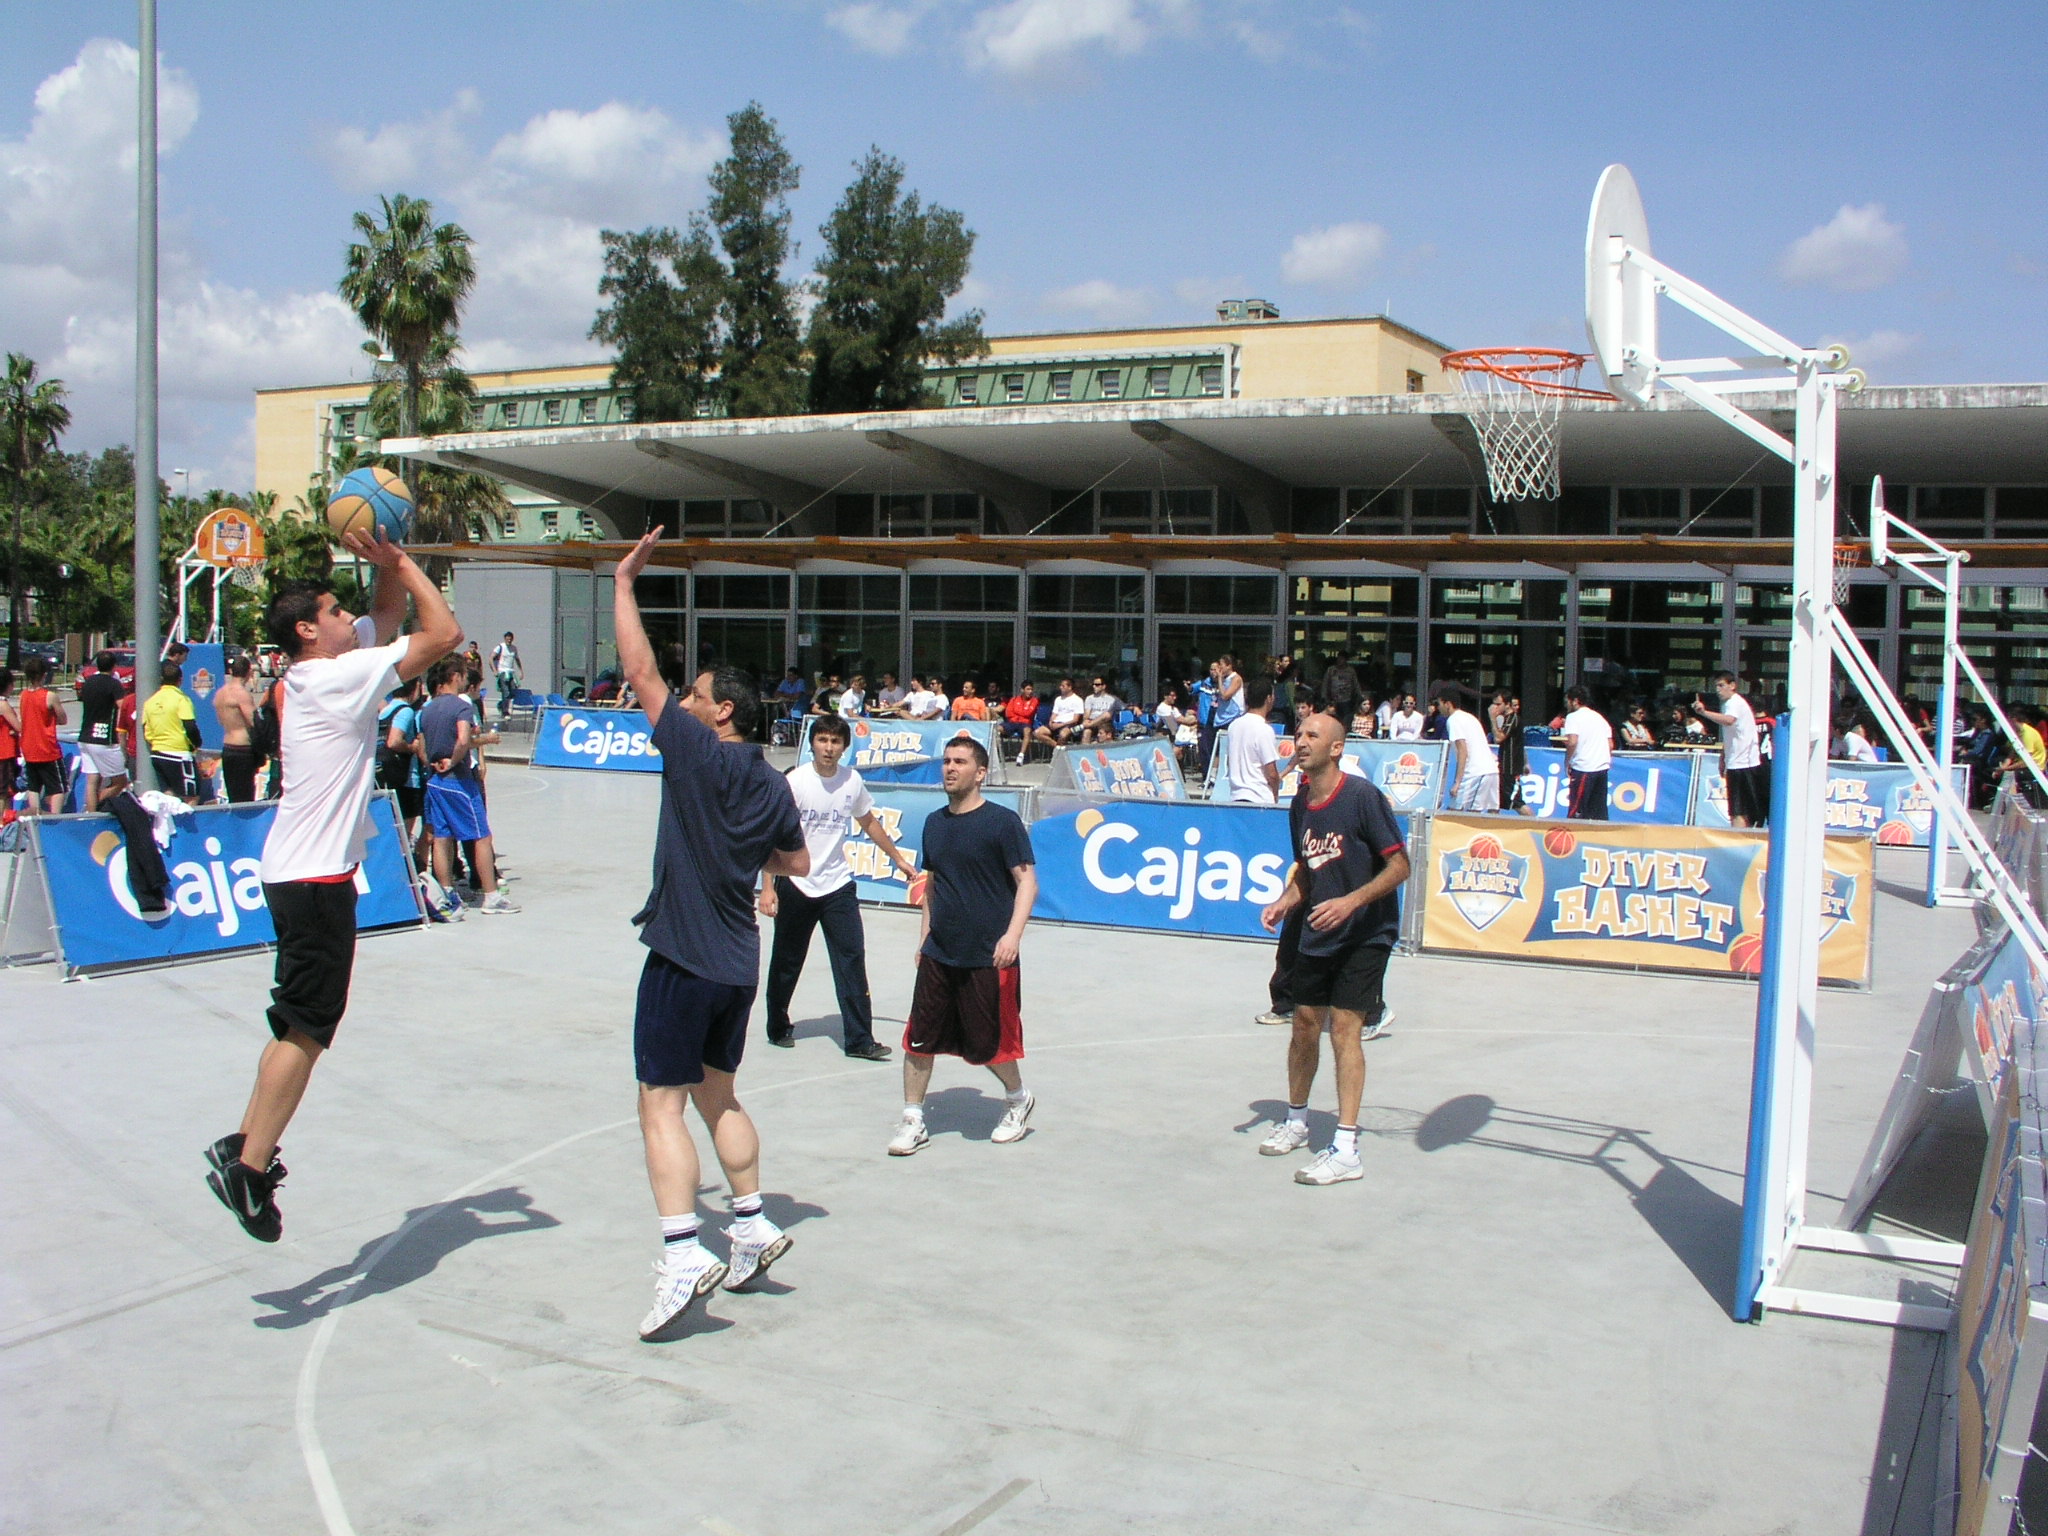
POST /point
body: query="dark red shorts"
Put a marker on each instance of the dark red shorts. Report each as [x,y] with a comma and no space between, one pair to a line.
[973,1012]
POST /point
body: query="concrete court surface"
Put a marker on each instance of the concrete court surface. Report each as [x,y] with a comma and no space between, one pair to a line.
[1127,1322]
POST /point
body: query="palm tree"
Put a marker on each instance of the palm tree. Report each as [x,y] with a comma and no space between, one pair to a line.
[449,505]
[407,281]
[32,417]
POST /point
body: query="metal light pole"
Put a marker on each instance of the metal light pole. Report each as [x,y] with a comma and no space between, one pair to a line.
[148,619]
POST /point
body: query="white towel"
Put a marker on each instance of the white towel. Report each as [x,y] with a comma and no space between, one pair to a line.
[162,808]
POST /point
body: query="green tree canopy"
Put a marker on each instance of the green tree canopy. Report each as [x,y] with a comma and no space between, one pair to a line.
[888,269]
[407,280]
[761,365]
[32,417]
[665,292]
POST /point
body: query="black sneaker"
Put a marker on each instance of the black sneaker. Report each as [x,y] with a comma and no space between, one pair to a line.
[786,1038]
[874,1050]
[229,1150]
[249,1195]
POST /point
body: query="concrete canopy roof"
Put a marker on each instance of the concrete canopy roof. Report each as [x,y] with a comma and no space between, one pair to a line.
[1028,460]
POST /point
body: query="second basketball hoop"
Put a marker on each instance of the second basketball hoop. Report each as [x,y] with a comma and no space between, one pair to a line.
[1516,399]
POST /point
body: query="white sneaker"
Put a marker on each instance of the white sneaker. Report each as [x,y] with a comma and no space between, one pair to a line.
[910,1137]
[450,908]
[751,1256]
[498,904]
[1376,1027]
[1288,1136]
[1011,1126]
[678,1281]
[1330,1168]
[1273,1016]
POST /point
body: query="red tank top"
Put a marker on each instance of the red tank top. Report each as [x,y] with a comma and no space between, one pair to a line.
[10,744]
[38,728]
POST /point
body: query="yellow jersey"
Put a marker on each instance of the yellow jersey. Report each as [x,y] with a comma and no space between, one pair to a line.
[164,717]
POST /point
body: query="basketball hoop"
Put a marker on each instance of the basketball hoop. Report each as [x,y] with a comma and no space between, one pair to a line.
[1516,397]
[1848,555]
[247,574]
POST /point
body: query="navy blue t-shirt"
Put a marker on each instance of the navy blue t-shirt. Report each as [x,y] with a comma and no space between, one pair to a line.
[440,726]
[972,891]
[1343,842]
[723,812]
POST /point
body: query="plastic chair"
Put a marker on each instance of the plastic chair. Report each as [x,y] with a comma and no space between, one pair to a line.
[557,701]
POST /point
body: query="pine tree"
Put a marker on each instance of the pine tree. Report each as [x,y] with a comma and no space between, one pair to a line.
[665,290]
[761,366]
[888,269]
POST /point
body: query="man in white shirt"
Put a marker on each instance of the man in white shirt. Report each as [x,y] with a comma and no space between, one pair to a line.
[1098,714]
[505,663]
[890,700]
[1475,768]
[921,703]
[1742,764]
[1405,723]
[830,798]
[1067,710]
[341,669]
[1250,754]
[854,702]
[1856,741]
[1588,753]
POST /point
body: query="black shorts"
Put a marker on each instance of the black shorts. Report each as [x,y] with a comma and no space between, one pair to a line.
[1352,979]
[412,799]
[684,1023]
[1749,794]
[46,778]
[175,775]
[238,774]
[975,1012]
[316,954]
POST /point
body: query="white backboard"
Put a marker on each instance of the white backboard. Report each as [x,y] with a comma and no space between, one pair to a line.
[1621,301]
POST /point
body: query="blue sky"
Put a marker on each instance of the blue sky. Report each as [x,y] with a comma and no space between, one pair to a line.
[1869,173]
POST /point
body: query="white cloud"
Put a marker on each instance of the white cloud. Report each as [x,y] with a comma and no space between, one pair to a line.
[1879,350]
[1855,251]
[1333,256]
[1102,301]
[400,153]
[878,29]
[1029,39]
[1268,45]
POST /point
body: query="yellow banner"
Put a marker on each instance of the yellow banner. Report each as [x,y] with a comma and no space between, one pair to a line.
[1612,893]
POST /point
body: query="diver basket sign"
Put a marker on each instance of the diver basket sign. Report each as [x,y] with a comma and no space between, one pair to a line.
[1670,898]
[906,751]
[1143,770]
[618,740]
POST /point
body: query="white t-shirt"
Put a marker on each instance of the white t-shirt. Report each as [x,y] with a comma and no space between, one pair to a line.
[919,705]
[327,737]
[1251,746]
[1101,703]
[1405,725]
[1738,736]
[1860,749]
[853,704]
[505,658]
[1464,726]
[827,807]
[1595,751]
[1066,709]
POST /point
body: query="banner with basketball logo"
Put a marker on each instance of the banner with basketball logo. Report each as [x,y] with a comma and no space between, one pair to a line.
[1880,800]
[1607,893]
[1142,770]
[907,751]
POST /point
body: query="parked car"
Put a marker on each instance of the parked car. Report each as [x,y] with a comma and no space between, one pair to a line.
[124,666]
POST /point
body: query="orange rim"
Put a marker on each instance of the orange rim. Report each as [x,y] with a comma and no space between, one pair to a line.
[1540,370]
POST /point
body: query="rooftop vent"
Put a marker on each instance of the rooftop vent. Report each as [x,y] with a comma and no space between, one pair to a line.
[1240,310]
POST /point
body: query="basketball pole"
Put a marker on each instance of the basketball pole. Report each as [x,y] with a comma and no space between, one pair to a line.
[148,614]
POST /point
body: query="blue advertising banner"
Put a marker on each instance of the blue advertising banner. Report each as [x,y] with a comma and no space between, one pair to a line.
[1409,773]
[216,890]
[1648,788]
[618,740]
[205,668]
[1143,770]
[902,810]
[1879,800]
[906,751]
[1200,869]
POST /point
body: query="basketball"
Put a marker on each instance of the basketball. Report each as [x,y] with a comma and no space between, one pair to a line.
[1895,834]
[1559,842]
[1746,954]
[1484,848]
[369,498]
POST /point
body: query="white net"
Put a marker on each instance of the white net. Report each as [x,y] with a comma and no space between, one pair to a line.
[1517,435]
[1848,555]
[249,577]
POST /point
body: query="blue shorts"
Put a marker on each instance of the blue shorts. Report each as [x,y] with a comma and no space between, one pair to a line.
[455,808]
[684,1024]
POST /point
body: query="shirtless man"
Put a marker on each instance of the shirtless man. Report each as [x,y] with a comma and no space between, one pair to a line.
[236,708]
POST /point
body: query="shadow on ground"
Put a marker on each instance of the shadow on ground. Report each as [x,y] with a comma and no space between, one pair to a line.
[428,1235]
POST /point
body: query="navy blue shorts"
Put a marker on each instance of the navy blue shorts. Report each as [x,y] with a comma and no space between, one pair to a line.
[684,1024]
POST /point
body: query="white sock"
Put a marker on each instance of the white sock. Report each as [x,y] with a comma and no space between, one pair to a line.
[1345,1144]
[1019,1096]
[746,1215]
[914,1112]
[1297,1114]
[679,1235]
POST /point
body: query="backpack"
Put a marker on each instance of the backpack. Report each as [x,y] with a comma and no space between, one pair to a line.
[394,768]
[265,733]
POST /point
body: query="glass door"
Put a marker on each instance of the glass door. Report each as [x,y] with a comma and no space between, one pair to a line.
[983,649]
[755,643]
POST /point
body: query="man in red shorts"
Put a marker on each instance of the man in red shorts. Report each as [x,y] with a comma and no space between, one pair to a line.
[982,882]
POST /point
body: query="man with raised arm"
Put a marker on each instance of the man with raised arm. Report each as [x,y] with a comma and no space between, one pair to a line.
[968,1002]
[341,669]
[1350,860]
[726,817]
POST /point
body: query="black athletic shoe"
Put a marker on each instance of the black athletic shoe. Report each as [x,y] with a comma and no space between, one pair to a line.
[249,1195]
[786,1038]
[229,1150]
[874,1050]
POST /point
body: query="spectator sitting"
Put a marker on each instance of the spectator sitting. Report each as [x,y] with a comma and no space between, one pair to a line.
[854,702]
[1365,719]
[1018,715]
[1065,722]
[826,700]
[970,705]
[1636,735]
[791,694]
[1405,724]
[1098,714]
[921,703]
[889,701]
